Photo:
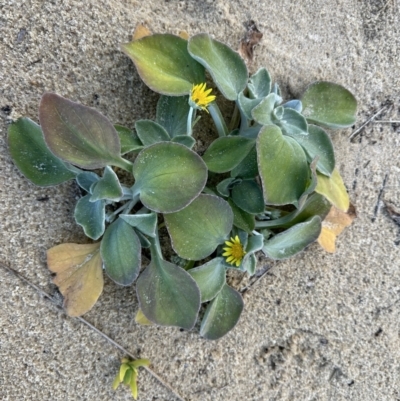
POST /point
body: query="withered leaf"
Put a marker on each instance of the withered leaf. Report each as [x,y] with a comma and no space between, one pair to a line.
[335,222]
[251,38]
[140,32]
[79,275]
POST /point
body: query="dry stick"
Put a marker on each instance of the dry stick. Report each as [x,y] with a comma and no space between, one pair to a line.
[251,285]
[368,121]
[386,122]
[110,340]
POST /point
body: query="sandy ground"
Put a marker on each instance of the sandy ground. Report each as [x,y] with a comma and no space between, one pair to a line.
[318,327]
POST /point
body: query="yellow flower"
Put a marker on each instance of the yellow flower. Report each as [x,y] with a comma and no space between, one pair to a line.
[200,97]
[234,251]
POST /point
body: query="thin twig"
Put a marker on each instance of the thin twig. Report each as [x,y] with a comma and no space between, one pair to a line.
[251,285]
[105,336]
[358,130]
[386,122]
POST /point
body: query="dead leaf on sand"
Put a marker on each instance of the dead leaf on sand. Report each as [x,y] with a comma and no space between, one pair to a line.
[251,39]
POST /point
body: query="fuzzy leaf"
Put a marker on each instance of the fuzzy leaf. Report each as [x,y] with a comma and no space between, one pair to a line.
[129,141]
[164,64]
[150,132]
[172,114]
[241,219]
[121,252]
[146,223]
[226,67]
[108,187]
[90,216]
[329,105]
[32,156]
[248,167]
[78,134]
[260,84]
[185,140]
[210,278]
[222,314]
[292,122]
[226,153]
[283,167]
[262,113]
[168,176]
[332,226]
[199,228]
[168,295]
[79,275]
[86,180]
[293,240]
[247,105]
[248,196]
[334,190]
[318,143]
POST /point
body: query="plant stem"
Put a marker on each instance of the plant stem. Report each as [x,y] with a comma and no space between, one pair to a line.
[124,164]
[125,209]
[219,121]
[189,122]
[189,265]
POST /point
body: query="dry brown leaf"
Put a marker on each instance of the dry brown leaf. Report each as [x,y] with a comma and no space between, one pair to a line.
[140,32]
[251,38]
[79,275]
[335,222]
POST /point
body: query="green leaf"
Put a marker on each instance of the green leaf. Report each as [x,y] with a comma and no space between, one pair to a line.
[254,243]
[129,141]
[262,113]
[108,187]
[172,114]
[226,153]
[32,156]
[248,167]
[168,176]
[329,105]
[294,104]
[292,122]
[79,275]
[149,132]
[144,242]
[168,295]
[199,228]
[293,240]
[247,105]
[86,180]
[282,165]
[224,187]
[210,278]
[164,64]
[260,84]
[226,67]
[334,190]
[241,219]
[146,223]
[185,140]
[249,264]
[248,196]
[78,134]
[121,252]
[222,314]
[90,216]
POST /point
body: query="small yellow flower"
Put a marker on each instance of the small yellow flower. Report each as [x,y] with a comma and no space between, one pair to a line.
[200,97]
[234,251]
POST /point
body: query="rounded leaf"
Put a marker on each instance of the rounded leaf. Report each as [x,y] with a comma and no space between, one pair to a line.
[78,134]
[168,176]
[248,196]
[121,252]
[222,313]
[168,295]
[330,105]
[199,228]
[150,132]
[172,114]
[283,167]
[32,156]
[226,67]
[164,64]
[90,215]
[210,278]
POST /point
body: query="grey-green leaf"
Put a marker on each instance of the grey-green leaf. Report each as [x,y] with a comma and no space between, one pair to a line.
[329,105]
[129,141]
[241,219]
[168,295]
[90,215]
[226,153]
[121,252]
[248,196]
[150,132]
[260,84]
[248,167]
[210,278]
[146,223]
[172,114]
[262,113]
[199,228]
[222,314]
[86,180]
[282,165]
[292,122]
[293,240]
[185,140]
[32,156]
[226,67]
[108,187]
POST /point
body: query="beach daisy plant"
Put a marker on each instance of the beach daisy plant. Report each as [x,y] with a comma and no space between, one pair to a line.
[261,187]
